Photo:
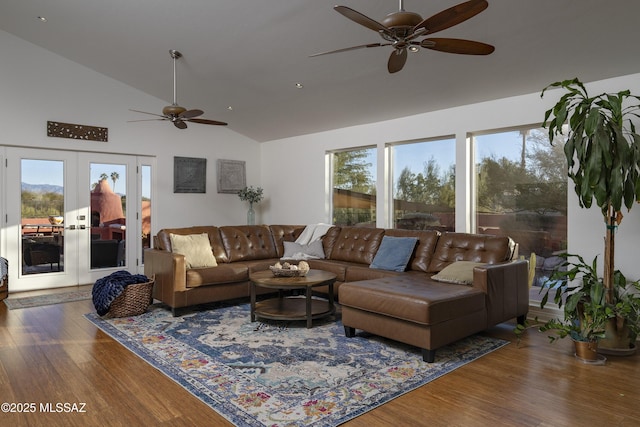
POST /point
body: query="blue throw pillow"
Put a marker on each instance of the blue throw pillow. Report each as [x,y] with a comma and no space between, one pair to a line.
[394,253]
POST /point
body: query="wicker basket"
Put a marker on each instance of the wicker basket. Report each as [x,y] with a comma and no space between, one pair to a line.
[134,300]
[287,272]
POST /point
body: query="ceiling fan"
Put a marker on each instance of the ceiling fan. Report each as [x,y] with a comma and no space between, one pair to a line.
[402,29]
[175,113]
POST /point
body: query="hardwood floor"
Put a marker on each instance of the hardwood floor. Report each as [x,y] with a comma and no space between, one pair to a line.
[52,355]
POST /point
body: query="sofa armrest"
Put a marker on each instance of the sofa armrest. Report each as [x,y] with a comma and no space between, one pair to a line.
[506,287]
[170,273]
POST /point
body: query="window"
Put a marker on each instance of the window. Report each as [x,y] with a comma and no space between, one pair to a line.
[354,187]
[423,184]
[521,190]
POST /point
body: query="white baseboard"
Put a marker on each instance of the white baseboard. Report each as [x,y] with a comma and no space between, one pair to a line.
[550,310]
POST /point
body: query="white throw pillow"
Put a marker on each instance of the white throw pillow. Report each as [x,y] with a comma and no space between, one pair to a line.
[294,251]
[195,248]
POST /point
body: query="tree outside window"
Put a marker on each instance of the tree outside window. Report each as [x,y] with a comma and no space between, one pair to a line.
[424,185]
[521,190]
[354,187]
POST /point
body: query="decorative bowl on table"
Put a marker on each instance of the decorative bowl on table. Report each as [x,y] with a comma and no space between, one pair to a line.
[290,270]
[55,220]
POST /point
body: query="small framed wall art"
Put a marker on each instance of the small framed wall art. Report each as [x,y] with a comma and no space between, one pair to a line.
[189,175]
[231,176]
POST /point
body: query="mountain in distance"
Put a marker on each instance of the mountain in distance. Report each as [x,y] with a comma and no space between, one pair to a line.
[42,188]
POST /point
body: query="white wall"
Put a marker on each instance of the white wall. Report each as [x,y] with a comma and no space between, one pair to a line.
[296,190]
[37,86]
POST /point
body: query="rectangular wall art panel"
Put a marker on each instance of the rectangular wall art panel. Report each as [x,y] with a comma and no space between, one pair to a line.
[189,175]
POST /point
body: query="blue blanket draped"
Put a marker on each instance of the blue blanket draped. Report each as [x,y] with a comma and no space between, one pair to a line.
[108,288]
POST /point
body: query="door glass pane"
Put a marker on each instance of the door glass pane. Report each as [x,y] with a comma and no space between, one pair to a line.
[424,190]
[108,213]
[145,208]
[354,187]
[42,215]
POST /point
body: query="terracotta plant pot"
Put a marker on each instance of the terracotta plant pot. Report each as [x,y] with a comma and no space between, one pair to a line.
[586,350]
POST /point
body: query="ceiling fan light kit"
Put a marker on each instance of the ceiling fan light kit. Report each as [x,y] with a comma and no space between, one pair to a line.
[175,113]
[401,29]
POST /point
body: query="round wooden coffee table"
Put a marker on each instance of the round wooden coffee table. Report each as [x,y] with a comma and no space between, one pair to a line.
[292,308]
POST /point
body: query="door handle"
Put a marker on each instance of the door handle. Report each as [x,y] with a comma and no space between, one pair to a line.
[71,227]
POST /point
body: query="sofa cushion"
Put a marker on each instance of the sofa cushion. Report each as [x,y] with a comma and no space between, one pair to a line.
[459,272]
[195,248]
[394,253]
[247,242]
[356,272]
[411,298]
[483,248]
[339,268]
[329,240]
[224,273]
[357,244]
[423,253]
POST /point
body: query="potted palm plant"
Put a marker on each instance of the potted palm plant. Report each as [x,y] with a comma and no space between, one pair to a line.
[603,155]
[576,287]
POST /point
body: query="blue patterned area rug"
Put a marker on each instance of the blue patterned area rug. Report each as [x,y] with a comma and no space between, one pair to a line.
[281,373]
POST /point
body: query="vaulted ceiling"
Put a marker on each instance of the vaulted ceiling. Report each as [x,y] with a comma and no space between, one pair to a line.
[249,54]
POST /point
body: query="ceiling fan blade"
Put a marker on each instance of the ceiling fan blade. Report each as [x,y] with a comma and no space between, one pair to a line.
[465,47]
[351,48]
[144,112]
[452,16]
[190,113]
[361,19]
[208,122]
[397,60]
[180,124]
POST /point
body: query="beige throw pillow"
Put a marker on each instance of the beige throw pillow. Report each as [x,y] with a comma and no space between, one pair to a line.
[195,248]
[459,272]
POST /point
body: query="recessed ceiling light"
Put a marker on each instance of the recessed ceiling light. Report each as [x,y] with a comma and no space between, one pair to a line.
[230,108]
[299,85]
[42,19]
[414,48]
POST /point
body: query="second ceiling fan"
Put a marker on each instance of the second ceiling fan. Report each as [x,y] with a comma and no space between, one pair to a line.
[175,113]
[402,29]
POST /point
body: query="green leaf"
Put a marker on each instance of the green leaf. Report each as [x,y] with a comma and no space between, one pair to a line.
[592,121]
[600,192]
[569,148]
[561,114]
[616,190]
[572,302]
[629,193]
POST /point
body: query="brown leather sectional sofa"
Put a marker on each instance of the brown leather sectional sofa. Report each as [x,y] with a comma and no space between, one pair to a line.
[409,306]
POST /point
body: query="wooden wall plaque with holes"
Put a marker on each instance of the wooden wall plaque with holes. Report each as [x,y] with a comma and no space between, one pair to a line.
[73,131]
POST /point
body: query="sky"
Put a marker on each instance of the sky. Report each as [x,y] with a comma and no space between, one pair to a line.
[51,172]
[414,155]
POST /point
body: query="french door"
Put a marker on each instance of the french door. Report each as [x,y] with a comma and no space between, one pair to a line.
[72,217]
